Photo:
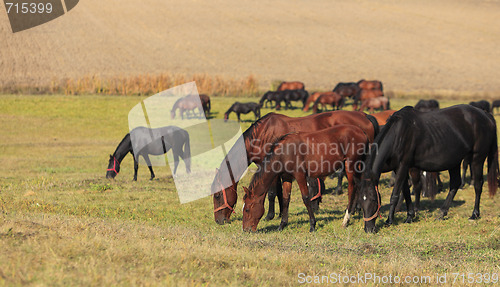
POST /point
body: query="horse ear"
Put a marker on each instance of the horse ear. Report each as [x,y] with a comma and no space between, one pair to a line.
[110,156]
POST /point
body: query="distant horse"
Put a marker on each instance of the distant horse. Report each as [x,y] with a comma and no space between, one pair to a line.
[258,139]
[427,105]
[383,116]
[185,104]
[243,108]
[205,103]
[346,90]
[298,155]
[483,105]
[311,99]
[365,94]
[495,104]
[154,142]
[294,95]
[270,97]
[432,141]
[290,86]
[370,85]
[380,103]
[329,98]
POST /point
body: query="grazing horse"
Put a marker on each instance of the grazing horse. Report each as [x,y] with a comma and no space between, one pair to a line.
[380,103]
[365,94]
[495,104]
[290,86]
[294,95]
[187,103]
[370,85]
[258,139]
[311,99]
[270,97]
[205,103]
[431,141]
[427,105]
[305,154]
[243,108]
[329,98]
[347,90]
[483,105]
[152,142]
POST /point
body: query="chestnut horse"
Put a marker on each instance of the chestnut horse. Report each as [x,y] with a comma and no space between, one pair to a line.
[329,98]
[311,99]
[382,117]
[258,139]
[306,154]
[205,103]
[379,103]
[370,85]
[290,86]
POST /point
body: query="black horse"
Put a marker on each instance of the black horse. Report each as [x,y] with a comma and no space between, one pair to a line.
[432,141]
[427,105]
[483,105]
[145,142]
[294,95]
[243,108]
[272,96]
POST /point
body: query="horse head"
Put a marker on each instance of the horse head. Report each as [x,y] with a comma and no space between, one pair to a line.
[253,210]
[225,199]
[113,167]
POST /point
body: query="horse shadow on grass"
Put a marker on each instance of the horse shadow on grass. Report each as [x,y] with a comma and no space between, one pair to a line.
[321,219]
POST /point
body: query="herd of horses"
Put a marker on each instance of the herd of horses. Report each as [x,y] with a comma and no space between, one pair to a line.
[414,143]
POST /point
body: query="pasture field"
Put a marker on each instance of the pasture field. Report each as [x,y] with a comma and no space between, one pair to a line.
[63,223]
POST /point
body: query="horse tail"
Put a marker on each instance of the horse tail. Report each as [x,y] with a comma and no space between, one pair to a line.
[493,169]
[381,86]
[376,126]
[209,105]
[187,153]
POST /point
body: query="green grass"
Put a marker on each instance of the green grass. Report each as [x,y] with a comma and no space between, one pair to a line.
[63,223]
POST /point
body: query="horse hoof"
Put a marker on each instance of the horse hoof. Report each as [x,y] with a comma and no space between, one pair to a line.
[474,217]
[269,217]
[281,227]
[388,222]
[409,219]
[312,229]
[338,192]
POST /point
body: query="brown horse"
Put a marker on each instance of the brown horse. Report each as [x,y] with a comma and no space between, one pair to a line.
[205,103]
[328,98]
[291,86]
[258,139]
[379,103]
[187,103]
[311,99]
[365,94]
[370,85]
[382,117]
[297,155]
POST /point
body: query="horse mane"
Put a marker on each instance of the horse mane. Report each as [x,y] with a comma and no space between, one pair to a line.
[250,132]
[230,108]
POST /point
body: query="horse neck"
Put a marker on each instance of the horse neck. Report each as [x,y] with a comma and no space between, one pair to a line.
[265,176]
[124,147]
[229,110]
[381,151]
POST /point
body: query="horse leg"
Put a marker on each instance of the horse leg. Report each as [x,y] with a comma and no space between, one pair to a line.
[150,166]
[351,194]
[340,176]
[477,174]
[136,167]
[454,185]
[465,164]
[302,182]
[439,183]
[271,195]
[416,178]
[238,114]
[287,190]
[176,161]
[399,186]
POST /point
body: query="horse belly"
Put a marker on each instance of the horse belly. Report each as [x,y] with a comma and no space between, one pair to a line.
[440,159]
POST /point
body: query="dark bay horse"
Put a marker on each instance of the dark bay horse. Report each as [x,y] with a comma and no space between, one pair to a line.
[483,105]
[431,141]
[243,108]
[305,154]
[258,139]
[346,90]
[205,103]
[291,86]
[153,142]
[186,104]
[270,97]
[328,98]
[294,95]
[427,105]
